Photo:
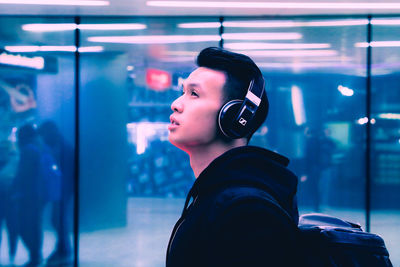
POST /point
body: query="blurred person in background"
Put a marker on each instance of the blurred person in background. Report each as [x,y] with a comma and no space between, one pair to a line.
[317,163]
[27,193]
[61,207]
[8,166]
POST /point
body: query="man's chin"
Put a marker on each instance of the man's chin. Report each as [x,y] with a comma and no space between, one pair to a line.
[173,140]
[179,144]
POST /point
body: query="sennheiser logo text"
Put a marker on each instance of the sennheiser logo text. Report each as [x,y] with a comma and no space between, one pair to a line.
[242,121]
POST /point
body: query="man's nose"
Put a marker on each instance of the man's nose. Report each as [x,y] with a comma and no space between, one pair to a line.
[177,105]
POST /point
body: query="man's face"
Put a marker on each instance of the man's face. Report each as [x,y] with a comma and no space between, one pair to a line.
[194,118]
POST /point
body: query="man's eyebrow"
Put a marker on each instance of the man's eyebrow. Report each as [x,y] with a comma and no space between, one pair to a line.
[193,85]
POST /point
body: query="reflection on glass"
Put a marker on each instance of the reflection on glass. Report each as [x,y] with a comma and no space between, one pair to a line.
[316,88]
[385,133]
[130,172]
[35,173]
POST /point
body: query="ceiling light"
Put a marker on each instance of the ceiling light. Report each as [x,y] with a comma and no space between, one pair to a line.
[289,23]
[116,26]
[56,2]
[181,53]
[199,25]
[262,36]
[385,21]
[259,24]
[177,59]
[51,48]
[22,49]
[155,39]
[39,27]
[337,59]
[55,27]
[334,23]
[90,49]
[304,65]
[48,48]
[389,116]
[254,46]
[274,5]
[290,53]
[36,48]
[379,44]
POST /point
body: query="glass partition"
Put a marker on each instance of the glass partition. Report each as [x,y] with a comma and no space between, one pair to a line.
[36,141]
[133,180]
[385,133]
[315,79]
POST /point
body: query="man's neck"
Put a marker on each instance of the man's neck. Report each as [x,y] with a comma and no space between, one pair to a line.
[201,157]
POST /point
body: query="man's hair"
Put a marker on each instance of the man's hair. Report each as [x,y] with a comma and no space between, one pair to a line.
[239,70]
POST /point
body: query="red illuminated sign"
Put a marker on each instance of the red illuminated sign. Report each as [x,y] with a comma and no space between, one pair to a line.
[158,80]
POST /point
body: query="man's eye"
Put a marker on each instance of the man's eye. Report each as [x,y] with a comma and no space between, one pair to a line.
[193,93]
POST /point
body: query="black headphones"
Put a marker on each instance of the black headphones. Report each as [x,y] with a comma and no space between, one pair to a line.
[235,118]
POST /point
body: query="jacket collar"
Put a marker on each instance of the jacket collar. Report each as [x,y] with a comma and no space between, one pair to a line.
[245,165]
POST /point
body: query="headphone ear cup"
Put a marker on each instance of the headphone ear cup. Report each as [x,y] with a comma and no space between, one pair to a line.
[226,117]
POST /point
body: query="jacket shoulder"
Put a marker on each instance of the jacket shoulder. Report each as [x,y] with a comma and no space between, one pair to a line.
[239,197]
[250,229]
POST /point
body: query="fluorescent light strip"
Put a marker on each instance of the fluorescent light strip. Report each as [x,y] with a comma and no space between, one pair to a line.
[90,49]
[38,27]
[385,22]
[290,53]
[273,5]
[44,48]
[155,39]
[337,59]
[22,49]
[181,53]
[255,46]
[115,26]
[390,116]
[199,25]
[379,44]
[56,2]
[21,61]
[334,23]
[304,65]
[49,48]
[259,24]
[289,24]
[262,36]
[177,59]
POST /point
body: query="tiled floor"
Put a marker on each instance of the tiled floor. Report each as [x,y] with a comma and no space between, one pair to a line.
[150,220]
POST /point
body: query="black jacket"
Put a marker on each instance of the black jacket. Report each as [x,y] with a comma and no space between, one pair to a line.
[230,221]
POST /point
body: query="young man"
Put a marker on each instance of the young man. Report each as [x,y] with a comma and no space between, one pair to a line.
[233,218]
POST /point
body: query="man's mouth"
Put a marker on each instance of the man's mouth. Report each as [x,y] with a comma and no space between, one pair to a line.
[173,121]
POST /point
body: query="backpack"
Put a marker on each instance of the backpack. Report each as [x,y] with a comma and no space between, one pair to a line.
[330,241]
[50,176]
[327,241]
